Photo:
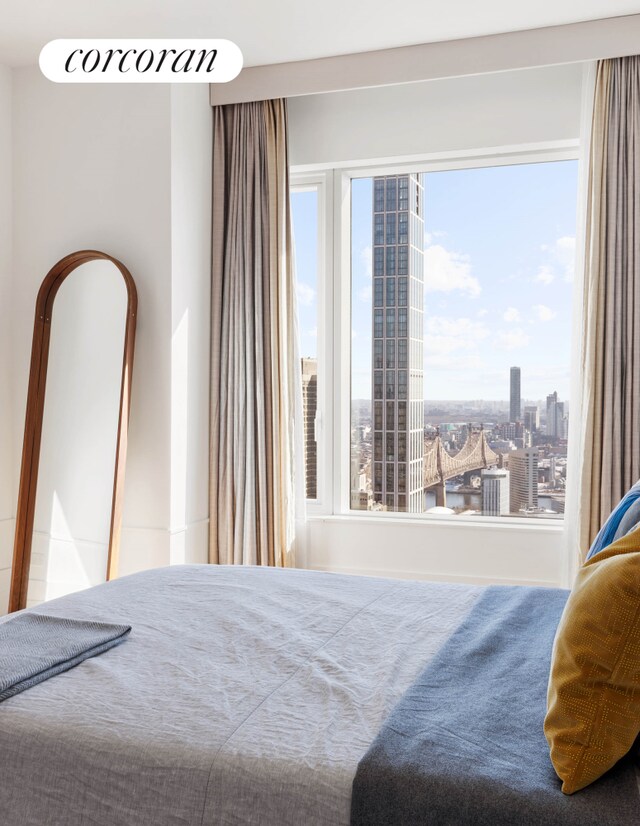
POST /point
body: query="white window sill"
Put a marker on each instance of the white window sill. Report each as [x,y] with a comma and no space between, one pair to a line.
[515,523]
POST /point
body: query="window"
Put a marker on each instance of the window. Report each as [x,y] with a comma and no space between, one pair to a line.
[403,260]
[390,416]
[377,324]
[378,265]
[458,324]
[378,416]
[391,292]
[391,260]
[402,322]
[377,354]
[391,323]
[379,195]
[403,228]
[378,286]
[306,229]
[476,331]
[391,194]
[402,353]
[391,354]
[391,228]
[378,233]
[403,192]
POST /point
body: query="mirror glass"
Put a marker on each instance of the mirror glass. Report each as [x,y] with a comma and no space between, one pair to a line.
[79,433]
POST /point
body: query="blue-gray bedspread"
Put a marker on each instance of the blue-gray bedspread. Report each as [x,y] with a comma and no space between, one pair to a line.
[34,647]
[465,745]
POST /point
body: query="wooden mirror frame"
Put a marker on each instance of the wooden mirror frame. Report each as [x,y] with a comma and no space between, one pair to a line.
[34,416]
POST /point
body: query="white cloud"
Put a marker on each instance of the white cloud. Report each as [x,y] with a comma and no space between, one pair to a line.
[565,253]
[365,294]
[511,314]
[450,343]
[482,313]
[429,235]
[446,271]
[306,294]
[545,275]
[512,339]
[561,259]
[367,259]
[543,312]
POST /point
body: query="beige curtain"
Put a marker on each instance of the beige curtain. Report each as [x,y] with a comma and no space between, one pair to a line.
[611,312]
[254,340]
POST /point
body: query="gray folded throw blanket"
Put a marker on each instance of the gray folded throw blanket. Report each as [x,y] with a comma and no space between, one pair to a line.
[34,647]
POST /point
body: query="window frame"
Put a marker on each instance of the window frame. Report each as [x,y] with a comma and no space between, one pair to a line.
[334,280]
[322,183]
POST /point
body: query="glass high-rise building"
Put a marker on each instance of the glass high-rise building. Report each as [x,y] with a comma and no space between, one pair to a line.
[515,406]
[398,294]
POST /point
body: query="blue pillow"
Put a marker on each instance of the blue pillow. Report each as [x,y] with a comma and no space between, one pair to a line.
[624,518]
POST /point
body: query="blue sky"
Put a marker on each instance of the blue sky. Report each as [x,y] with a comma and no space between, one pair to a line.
[499,248]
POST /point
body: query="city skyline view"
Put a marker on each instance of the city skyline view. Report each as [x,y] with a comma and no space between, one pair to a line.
[457,304]
[499,251]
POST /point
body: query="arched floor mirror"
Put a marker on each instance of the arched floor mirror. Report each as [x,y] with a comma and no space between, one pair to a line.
[70,500]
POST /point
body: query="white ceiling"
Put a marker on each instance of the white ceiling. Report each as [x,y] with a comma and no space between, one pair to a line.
[272,31]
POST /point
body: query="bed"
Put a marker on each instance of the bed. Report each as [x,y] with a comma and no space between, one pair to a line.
[242,696]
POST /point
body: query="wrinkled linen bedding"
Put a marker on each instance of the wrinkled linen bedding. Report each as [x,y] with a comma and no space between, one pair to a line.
[242,696]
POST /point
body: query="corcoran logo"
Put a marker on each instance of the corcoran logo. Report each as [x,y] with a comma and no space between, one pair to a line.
[140,61]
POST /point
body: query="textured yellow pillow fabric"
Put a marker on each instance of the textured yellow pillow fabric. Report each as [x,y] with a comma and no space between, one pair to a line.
[593,704]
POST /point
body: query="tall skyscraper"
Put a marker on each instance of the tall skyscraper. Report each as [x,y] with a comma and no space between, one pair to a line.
[398,287]
[515,406]
[309,408]
[495,492]
[532,418]
[523,475]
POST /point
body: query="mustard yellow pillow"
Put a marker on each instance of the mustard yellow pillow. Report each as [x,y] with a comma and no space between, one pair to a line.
[593,703]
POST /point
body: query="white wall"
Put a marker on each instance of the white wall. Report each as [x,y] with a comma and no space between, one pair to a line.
[91,170]
[98,167]
[464,113]
[6,410]
[461,551]
[191,152]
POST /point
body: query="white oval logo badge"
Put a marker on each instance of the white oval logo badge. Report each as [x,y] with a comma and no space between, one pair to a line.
[105,60]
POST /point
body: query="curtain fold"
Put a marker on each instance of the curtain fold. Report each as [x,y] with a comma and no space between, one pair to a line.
[254,393]
[610,358]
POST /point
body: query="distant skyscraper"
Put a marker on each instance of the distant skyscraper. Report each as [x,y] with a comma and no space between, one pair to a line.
[532,418]
[556,426]
[523,484]
[495,492]
[309,408]
[515,406]
[398,398]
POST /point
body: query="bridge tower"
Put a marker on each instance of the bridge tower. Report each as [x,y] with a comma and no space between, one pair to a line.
[440,489]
